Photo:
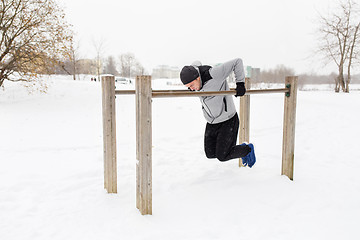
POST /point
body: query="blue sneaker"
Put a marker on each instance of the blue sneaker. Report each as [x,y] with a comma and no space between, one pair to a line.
[251,156]
[249,159]
[245,159]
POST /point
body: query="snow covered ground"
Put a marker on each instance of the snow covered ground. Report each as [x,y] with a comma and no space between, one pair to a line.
[51,170]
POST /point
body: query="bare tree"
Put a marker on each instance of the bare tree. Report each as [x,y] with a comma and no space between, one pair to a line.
[130,66]
[110,67]
[99,46]
[276,75]
[353,54]
[70,66]
[126,62]
[74,58]
[139,69]
[34,38]
[339,39]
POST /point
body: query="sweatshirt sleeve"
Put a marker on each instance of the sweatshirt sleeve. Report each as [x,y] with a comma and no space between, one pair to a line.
[223,71]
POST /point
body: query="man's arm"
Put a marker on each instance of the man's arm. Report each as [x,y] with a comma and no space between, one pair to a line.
[222,71]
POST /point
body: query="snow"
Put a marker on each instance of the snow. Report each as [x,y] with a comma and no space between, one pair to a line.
[51,169]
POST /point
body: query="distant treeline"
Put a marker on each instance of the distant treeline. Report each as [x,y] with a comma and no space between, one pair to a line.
[278,74]
[305,79]
[126,65]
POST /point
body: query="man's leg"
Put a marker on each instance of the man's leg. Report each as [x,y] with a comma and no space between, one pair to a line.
[226,147]
[210,140]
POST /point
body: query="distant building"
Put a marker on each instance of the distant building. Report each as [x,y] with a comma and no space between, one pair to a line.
[165,71]
[255,74]
[252,73]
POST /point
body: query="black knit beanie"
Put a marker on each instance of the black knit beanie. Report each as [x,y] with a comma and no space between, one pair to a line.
[188,74]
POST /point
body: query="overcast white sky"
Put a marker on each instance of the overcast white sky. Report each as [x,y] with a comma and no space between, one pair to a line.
[263,33]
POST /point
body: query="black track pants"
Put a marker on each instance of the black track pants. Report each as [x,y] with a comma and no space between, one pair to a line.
[220,140]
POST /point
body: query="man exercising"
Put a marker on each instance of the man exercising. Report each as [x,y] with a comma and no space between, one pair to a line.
[219,111]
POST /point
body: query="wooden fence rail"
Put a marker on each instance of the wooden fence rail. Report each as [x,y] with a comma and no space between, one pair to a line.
[187,93]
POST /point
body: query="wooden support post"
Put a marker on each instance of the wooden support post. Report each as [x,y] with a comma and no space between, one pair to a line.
[144,145]
[289,128]
[244,117]
[109,133]
[137,82]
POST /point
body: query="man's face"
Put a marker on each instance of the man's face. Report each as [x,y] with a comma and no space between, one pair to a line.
[194,85]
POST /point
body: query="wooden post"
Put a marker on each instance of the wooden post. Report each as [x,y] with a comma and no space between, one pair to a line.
[289,128]
[109,133]
[144,145]
[244,117]
[137,82]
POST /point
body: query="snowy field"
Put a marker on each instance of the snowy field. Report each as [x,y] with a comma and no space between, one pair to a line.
[51,170]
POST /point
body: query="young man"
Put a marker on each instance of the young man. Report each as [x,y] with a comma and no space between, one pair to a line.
[219,111]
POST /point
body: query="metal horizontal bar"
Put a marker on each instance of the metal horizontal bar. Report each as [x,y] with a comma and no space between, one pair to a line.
[187,93]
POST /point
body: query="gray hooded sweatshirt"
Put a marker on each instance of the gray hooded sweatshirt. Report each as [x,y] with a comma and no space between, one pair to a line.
[217,109]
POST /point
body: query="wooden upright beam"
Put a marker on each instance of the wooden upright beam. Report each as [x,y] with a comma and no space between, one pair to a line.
[144,145]
[137,89]
[109,133]
[289,128]
[244,118]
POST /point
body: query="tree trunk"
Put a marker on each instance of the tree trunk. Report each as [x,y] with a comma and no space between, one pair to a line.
[340,79]
[351,56]
[347,85]
[74,66]
[337,85]
[98,69]
[348,79]
[74,72]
